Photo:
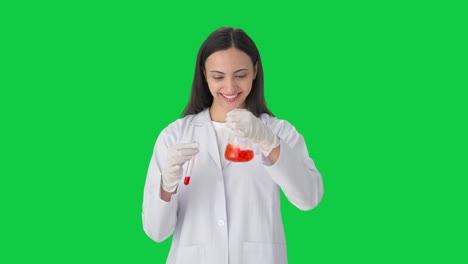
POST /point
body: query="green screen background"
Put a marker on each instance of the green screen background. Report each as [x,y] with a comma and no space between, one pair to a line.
[377,89]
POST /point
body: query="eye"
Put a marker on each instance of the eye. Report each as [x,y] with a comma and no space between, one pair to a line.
[218,77]
[241,76]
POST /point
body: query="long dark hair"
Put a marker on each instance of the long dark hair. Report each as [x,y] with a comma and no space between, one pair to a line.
[222,39]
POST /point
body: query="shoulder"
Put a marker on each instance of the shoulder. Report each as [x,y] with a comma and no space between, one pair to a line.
[178,126]
[186,124]
[173,132]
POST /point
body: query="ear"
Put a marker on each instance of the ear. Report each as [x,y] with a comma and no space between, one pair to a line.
[255,70]
[203,70]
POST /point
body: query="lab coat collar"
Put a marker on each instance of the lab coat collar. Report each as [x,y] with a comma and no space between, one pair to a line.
[203,120]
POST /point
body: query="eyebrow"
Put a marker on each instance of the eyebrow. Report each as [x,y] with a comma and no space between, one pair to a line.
[234,72]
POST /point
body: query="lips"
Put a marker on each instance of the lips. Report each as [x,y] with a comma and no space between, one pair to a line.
[230,98]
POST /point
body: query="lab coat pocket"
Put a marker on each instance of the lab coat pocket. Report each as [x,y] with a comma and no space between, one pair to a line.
[266,253]
[190,255]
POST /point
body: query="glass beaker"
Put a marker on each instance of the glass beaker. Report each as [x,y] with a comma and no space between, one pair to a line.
[239,150]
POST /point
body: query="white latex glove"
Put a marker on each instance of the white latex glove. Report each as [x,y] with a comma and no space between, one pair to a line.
[245,125]
[177,155]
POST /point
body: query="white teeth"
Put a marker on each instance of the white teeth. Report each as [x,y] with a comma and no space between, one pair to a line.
[230,97]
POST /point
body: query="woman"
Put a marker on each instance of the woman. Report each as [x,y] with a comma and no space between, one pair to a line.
[230,211]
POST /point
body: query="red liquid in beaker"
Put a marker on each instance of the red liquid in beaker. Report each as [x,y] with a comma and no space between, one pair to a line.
[234,153]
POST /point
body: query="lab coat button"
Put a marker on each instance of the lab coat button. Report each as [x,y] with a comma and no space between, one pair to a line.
[220,222]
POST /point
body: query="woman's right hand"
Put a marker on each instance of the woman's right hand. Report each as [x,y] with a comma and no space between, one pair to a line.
[177,155]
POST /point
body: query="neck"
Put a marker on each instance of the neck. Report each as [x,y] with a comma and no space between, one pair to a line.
[217,115]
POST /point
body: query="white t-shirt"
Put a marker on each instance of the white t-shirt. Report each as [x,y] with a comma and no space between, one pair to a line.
[222,136]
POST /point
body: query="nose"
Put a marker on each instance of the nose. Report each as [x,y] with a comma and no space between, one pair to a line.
[230,86]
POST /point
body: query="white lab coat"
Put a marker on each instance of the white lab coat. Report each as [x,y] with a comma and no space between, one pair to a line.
[231,214]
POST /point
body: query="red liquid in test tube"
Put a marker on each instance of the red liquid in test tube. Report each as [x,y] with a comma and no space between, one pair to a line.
[189,170]
[187,180]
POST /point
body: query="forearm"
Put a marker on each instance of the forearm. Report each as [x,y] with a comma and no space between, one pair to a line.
[166,196]
[297,176]
[274,154]
[159,217]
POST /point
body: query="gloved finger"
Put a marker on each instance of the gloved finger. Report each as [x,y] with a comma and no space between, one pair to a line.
[236,128]
[230,124]
[187,146]
[181,159]
[235,120]
[228,119]
[236,112]
[171,170]
[241,125]
[240,113]
[239,110]
[187,152]
[237,132]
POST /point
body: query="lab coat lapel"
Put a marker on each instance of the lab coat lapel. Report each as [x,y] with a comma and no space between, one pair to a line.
[207,135]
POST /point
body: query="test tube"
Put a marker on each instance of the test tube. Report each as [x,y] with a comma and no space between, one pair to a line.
[189,170]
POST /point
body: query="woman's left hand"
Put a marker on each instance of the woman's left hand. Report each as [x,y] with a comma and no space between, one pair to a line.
[245,125]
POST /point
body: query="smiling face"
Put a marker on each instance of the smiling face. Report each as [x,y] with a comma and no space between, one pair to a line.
[229,74]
